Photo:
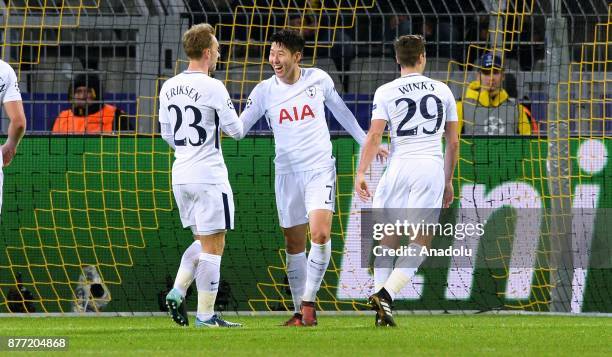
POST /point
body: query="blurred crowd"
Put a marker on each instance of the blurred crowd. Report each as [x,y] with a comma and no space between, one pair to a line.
[448,26]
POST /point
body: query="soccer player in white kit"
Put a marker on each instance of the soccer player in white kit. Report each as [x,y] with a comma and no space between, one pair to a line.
[293,102]
[418,111]
[10,97]
[194,108]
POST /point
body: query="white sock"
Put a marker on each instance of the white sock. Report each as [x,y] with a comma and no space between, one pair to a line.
[296,274]
[405,269]
[207,280]
[318,260]
[186,270]
[383,266]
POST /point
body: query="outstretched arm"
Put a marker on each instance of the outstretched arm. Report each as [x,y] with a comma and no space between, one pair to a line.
[14,110]
[451,155]
[253,111]
[344,116]
[372,143]
[16,130]
[450,160]
[226,113]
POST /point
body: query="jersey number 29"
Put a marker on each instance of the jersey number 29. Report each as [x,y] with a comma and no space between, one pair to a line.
[412,108]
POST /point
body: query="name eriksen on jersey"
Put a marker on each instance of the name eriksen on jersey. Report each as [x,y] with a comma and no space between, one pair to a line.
[185,90]
[416,86]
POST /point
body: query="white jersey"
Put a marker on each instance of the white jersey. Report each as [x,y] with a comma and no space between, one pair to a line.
[193,109]
[416,109]
[9,86]
[296,115]
[9,92]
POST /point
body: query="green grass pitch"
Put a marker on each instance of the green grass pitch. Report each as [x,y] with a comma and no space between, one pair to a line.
[335,336]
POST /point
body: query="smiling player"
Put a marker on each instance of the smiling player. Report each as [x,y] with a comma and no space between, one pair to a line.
[293,101]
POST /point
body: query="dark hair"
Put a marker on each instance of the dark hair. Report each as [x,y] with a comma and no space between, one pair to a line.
[92,82]
[89,80]
[291,39]
[408,49]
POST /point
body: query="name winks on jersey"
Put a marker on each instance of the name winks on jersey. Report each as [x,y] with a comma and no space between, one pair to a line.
[416,86]
[185,90]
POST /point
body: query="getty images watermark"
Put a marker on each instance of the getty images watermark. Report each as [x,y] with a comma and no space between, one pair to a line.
[421,232]
[491,238]
[412,231]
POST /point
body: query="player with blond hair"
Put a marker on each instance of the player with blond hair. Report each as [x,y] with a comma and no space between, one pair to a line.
[194,108]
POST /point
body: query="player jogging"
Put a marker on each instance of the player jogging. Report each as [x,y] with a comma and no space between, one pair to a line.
[418,111]
[10,97]
[293,101]
[193,109]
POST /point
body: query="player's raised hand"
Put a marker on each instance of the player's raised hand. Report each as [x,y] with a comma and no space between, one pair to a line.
[8,152]
[361,186]
[449,195]
[382,153]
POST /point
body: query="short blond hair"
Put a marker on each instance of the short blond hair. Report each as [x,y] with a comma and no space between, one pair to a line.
[198,38]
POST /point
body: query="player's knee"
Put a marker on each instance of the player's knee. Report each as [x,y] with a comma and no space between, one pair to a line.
[219,245]
[213,244]
[295,246]
[295,239]
[218,248]
[320,236]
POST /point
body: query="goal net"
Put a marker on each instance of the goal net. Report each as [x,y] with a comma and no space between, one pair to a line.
[89,222]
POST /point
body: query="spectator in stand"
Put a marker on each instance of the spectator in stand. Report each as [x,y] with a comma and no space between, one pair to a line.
[89,114]
[487,108]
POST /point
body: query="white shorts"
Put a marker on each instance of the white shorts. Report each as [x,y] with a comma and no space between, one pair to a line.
[411,183]
[299,193]
[205,208]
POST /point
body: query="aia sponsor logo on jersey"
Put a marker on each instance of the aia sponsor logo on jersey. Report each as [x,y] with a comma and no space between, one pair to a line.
[295,114]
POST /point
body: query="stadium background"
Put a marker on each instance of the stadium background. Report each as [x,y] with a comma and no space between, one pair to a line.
[106,201]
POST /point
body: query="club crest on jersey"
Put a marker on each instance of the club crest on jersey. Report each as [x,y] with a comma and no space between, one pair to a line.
[249,102]
[311,91]
[294,114]
[230,104]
